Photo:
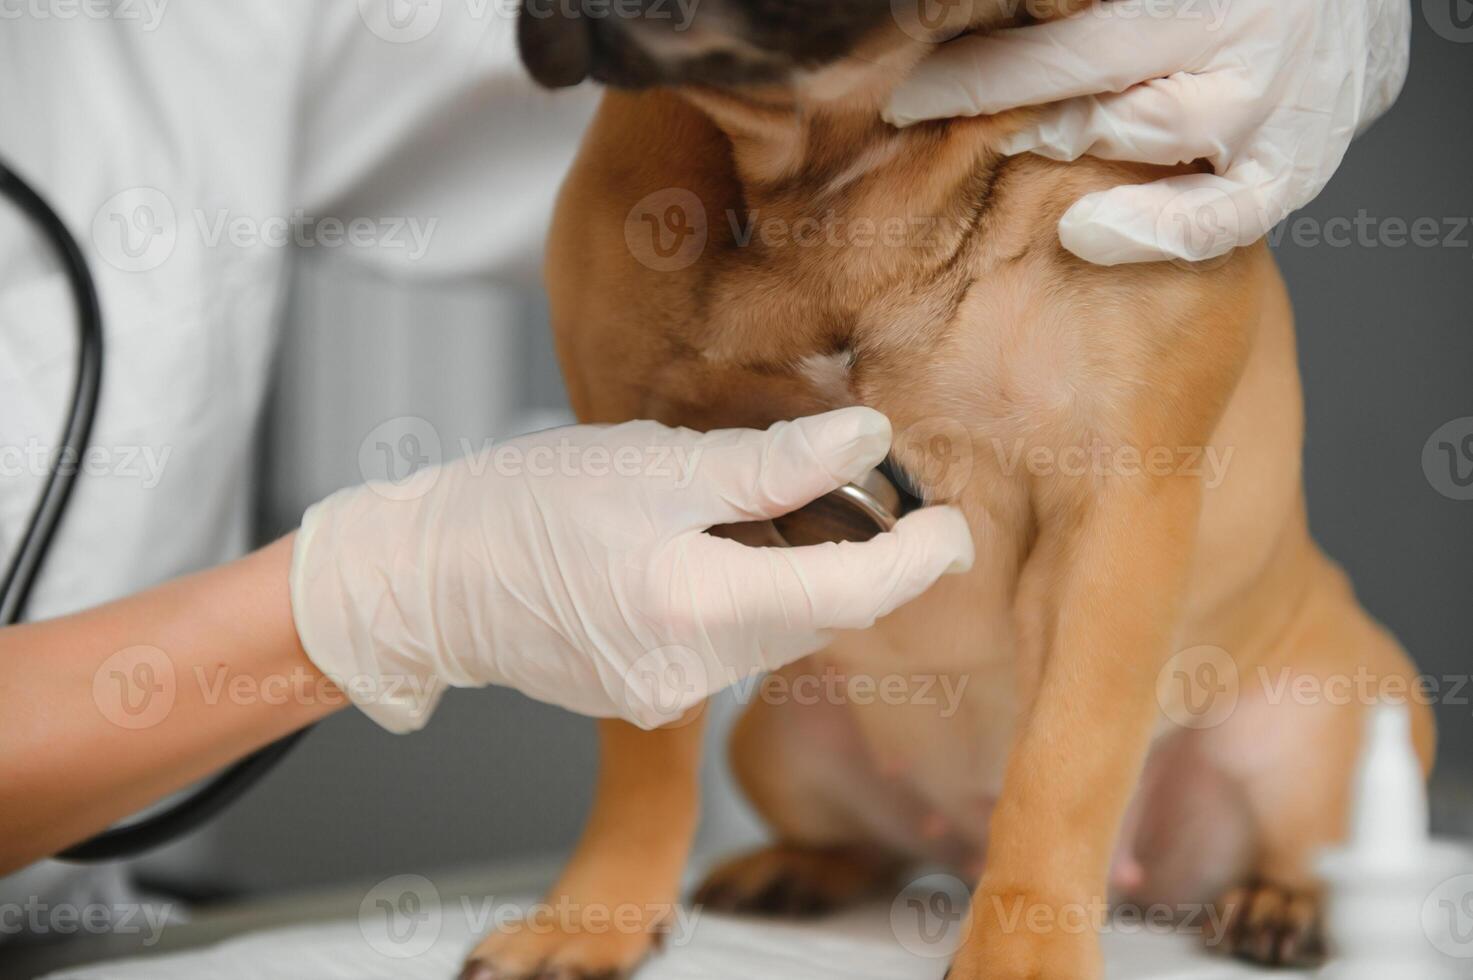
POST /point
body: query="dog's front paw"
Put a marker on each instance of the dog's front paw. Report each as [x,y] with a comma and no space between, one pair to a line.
[566,940]
[1017,935]
[789,880]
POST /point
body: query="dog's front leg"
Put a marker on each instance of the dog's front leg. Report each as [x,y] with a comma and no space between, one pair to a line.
[1096,600]
[617,896]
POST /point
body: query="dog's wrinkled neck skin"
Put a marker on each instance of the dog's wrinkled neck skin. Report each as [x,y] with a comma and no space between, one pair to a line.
[831,196]
[817,149]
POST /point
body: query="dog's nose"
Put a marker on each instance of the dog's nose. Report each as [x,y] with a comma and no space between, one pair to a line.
[556,42]
[641,43]
[563,42]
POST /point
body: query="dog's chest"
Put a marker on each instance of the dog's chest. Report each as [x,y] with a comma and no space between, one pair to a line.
[997,380]
[944,670]
[986,390]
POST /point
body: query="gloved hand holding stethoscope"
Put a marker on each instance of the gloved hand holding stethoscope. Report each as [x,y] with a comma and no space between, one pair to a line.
[574,565]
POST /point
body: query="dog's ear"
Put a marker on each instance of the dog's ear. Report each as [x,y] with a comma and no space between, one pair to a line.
[556,43]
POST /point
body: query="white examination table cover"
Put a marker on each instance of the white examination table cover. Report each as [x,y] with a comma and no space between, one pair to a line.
[854,946]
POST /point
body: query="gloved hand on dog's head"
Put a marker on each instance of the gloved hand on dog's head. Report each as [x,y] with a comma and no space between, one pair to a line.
[1270,93]
[574,565]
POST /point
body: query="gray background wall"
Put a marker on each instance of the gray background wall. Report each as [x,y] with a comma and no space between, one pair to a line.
[1387,351]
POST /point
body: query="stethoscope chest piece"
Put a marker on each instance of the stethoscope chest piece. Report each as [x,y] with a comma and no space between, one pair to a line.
[854,512]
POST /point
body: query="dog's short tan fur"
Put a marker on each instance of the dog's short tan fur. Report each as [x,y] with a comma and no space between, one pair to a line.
[1086,584]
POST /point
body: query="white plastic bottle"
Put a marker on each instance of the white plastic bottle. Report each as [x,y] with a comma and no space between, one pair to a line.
[1384,918]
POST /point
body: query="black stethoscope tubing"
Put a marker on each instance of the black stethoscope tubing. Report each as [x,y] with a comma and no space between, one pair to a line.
[35,543]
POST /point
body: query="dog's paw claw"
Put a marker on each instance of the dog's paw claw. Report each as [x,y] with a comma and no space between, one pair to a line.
[1272,926]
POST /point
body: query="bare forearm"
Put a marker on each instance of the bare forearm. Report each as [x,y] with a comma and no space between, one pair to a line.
[111,709]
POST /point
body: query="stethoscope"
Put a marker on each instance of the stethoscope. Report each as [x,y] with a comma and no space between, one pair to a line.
[25,564]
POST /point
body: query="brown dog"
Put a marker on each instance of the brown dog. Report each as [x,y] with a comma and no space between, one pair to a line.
[747,242]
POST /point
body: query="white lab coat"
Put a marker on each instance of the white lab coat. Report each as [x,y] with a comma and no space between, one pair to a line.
[181,142]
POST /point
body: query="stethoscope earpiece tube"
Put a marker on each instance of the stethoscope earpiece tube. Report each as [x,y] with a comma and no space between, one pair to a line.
[35,542]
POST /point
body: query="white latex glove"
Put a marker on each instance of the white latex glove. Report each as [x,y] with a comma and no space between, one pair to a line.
[1270,92]
[574,565]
